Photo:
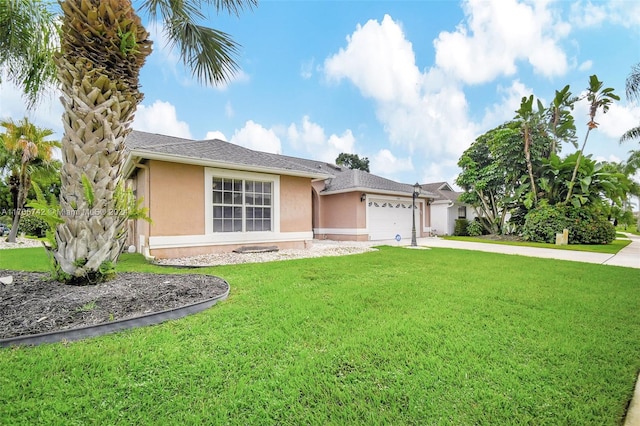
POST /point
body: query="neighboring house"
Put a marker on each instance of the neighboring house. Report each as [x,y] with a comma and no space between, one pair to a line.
[213,196]
[446,208]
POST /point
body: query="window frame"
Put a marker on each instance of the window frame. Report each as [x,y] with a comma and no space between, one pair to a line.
[274,180]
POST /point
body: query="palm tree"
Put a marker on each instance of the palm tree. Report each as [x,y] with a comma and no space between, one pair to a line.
[27,151]
[598,98]
[102,49]
[633,94]
[530,122]
[28,39]
[561,122]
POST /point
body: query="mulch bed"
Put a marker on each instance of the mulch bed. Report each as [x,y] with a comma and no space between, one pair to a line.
[34,304]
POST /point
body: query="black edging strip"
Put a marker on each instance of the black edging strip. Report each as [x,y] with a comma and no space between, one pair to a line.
[113,326]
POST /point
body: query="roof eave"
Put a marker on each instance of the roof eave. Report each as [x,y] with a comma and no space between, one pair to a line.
[373,191]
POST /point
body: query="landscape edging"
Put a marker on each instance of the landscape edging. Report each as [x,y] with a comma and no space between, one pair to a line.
[113,326]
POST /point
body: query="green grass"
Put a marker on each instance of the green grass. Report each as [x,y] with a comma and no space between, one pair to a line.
[396,336]
[612,248]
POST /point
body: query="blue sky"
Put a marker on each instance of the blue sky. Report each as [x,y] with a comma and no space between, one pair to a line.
[407,84]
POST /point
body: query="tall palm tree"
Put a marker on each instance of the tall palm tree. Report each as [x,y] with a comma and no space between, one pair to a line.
[530,122]
[28,40]
[102,49]
[599,98]
[633,94]
[27,150]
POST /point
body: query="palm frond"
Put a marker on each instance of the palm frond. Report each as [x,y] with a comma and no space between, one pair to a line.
[209,53]
[633,83]
[631,134]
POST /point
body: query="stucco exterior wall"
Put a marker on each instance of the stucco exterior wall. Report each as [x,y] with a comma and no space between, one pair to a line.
[295,204]
[176,202]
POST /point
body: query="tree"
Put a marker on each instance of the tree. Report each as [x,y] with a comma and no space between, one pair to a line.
[599,98]
[353,161]
[633,94]
[103,47]
[492,170]
[28,38]
[561,122]
[530,121]
[26,151]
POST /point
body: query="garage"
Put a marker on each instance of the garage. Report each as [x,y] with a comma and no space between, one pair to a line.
[388,218]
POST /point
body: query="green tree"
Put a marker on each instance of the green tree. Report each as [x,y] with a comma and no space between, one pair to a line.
[102,50]
[561,123]
[353,161]
[599,98]
[530,121]
[492,171]
[26,151]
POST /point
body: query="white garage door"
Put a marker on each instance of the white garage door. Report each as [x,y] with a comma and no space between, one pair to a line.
[390,218]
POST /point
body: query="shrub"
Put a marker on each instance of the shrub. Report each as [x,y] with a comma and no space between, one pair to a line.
[585,225]
[543,222]
[589,227]
[474,228]
[460,228]
[33,225]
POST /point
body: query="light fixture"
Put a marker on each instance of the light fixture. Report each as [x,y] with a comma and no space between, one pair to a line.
[416,193]
[363,197]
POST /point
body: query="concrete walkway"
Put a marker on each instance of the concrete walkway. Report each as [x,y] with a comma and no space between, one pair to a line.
[628,256]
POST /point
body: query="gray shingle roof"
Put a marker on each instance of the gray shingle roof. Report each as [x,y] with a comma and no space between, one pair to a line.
[143,144]
[338,179]
[443,190]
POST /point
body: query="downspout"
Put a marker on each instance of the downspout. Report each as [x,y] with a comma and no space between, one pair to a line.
[145,244]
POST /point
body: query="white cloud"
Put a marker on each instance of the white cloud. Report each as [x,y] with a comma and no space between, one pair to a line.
[496,35]
[587,14]
[161,118]
[379,60]
[585,66]
[310,138]
[215,134]
[505,110]
[47,114]
[228,110]
[306,69]
[384,163]
[254,136]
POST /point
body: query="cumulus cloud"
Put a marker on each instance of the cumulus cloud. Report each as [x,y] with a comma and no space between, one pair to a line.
[384,163]
[161,118]
[504,110]
[379,60]
[215,134]
[254,136]
[310,138]
[498,34]
[419,111]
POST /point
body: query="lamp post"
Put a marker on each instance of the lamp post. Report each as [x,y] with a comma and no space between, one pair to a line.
[416,192]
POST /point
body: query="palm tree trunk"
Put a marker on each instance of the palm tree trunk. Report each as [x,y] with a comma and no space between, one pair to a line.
[572,182]
[100,94]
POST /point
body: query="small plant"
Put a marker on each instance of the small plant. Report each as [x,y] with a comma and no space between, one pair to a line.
[87,307]
[474,229]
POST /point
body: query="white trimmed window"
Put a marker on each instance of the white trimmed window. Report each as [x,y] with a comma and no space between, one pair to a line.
[240,202]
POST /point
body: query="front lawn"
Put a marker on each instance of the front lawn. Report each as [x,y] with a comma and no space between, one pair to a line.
[613,248]
[397,336]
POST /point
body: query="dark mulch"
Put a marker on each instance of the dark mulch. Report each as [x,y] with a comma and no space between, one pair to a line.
[33,304]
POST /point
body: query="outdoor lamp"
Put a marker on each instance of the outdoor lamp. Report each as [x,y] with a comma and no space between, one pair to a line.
[416,192]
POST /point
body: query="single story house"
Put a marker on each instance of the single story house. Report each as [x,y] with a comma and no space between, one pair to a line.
[446,208]
[209,196]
